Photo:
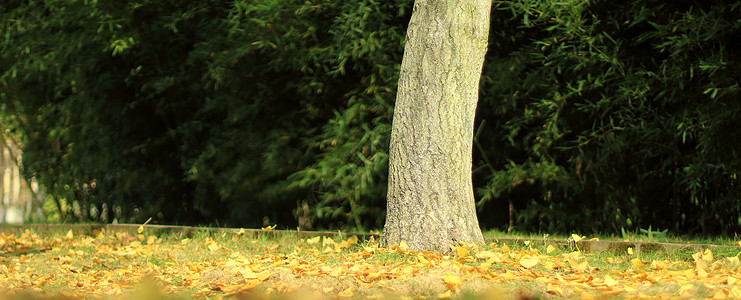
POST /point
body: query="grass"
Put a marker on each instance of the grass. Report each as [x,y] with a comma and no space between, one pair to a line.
[217,265]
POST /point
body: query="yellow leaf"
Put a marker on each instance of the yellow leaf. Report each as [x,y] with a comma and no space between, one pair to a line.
[184,241]
[462,252]
[594,239]
[422,259]
[529,262]
[327,289]
[508,275]
[708,255]
[347,293]
[262,276]
[445,295]
[609,281]
[636,263]
[489,262]
[576,237]
[247,273]
[403,246]
[452,282]
[702,273]
[241,231]
[630,250]
[685,289]
[327,241]
[485,254]
[69,235]
[313,240]
[270,227]
[554,289]
[550,249]
[213,247]
[719,294]
[141,228]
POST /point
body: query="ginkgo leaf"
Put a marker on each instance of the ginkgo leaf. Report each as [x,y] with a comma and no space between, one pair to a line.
[529,262]
[403,246]
[550,249]
[576,237]
[485,254]
[554,289]
[444,295]
[241,231]
[708,255]
[269,227]
[685,289]
[636,263]
[630,250]
[452,282]
[313,240]
[461,252]
[247,273]
[488,263]
[328,241]
[609,281]
[69,235]
[347,293]
[141,228]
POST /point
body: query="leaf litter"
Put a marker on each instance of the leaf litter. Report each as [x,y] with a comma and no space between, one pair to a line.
[105,265]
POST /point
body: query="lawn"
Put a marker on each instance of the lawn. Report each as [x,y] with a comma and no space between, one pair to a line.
[219,265]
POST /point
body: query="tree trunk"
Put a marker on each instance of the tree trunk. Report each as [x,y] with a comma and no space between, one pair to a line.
[430,202]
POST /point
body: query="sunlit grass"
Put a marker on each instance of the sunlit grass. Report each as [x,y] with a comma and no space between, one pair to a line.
[206,264]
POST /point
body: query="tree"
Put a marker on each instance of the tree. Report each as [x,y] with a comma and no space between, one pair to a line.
[430,202]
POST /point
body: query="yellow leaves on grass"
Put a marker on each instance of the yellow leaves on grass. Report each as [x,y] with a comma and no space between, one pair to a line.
[109,264]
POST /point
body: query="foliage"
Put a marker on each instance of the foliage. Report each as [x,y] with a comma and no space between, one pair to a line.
[144,265]
[594,115]
[198,112]
[608,115]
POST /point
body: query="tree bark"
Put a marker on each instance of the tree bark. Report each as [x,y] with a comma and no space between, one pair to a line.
[430,203]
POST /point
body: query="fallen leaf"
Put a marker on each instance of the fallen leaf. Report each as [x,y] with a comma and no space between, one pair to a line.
[630,250]
[609,281]
[550,249]
[485,254]
[347,293]
[708,255]
[141,228]
[554,289]
[313,240]
[461,252]
[529,262]
[576,237]
[444,295]
[451,282]
[636,263]
[403,246]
